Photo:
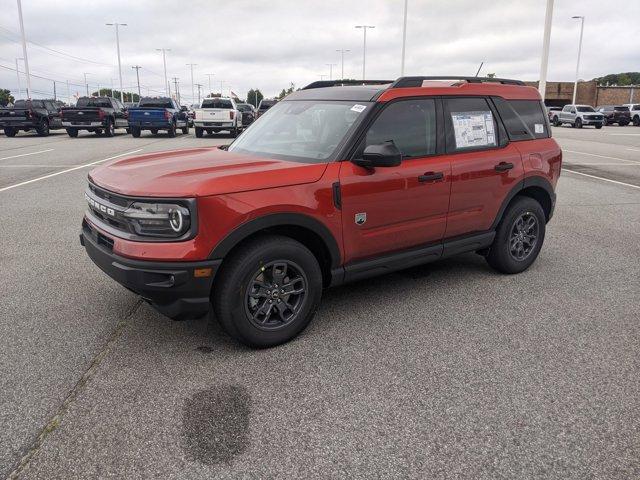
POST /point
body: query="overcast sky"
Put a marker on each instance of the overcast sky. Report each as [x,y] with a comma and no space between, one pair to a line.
[268,44]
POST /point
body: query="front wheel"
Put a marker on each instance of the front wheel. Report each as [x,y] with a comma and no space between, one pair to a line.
[636,121]
[578,123]
[199,132]
[10,131]
[135,132]
[172,130]
[185,130]
[268,291]
[519,237]
[109,129]
[43,129]
[623,124]
[72,132]
[598,126]
[556,121]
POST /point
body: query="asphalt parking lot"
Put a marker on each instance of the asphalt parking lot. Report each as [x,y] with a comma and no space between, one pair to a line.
[444,371]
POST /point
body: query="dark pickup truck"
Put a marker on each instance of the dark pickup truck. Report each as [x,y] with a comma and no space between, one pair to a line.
[158,114]
[615,114]
[95,114]
[27,115]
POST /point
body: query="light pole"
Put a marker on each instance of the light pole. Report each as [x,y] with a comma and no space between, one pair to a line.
[18,75]
[164,62]
[342,52]
[199,87]
[138,67]
[210,75]
[546,39]
[575,85]
[85,82]
[404,36]
[364,48]
[330,65]
[118,25]
[175,85]
[192,84]
[24,51]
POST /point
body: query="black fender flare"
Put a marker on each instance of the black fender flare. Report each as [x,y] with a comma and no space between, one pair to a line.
[534,181]
[278,220]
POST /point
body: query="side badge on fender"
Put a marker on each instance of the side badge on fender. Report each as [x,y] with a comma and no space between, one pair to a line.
[361,218]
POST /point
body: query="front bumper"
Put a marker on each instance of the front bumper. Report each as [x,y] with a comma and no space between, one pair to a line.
[170,287]
[592,122]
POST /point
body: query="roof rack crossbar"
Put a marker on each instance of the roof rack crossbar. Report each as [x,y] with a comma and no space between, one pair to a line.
[340,83]
[404,82]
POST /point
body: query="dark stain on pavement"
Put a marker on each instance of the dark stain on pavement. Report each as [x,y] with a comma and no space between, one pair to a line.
[216,424]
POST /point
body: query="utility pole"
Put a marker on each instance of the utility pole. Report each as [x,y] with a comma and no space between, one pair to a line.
[192,91]
[546,39]
[117,25]
[404,37]
[175,84]
[364,49]
[330,65]
[164,62]
[24,50]
[199,87]
[55,96]
[575,85]
[210,75]
[18,75]
[342,52]
[137,68]
[68,94]
[85,82]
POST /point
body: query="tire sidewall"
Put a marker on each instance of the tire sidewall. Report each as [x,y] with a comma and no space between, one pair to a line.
[231,306]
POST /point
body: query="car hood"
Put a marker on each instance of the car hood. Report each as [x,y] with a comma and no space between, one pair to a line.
[199,172]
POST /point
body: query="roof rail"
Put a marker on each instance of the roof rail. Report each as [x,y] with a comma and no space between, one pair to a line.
[340,83]
[404,82]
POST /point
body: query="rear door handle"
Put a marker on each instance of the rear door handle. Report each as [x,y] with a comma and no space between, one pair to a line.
[503,167]
[431,177]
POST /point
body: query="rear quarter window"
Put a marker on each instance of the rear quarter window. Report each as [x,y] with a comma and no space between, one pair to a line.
[532,115]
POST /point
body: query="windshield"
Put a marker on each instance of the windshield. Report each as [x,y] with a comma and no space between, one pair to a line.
[585,109]
[266,105]
[621,109]
[306,131]
[93,102]
[155,102]
[217,103]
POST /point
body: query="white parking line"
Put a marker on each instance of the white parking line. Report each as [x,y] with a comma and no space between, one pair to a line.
[624,134]
[601,178]
[36,166]
[633,149]
[26,154]
[601,156]
[67,170]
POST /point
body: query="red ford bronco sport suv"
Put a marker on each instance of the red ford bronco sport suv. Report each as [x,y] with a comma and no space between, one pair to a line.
[336,183]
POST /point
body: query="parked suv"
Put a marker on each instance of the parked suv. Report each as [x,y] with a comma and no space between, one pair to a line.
[578,116]
[634,110]
[39,115]
[615,114]
[336,184]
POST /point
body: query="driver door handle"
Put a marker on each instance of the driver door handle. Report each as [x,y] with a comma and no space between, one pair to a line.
[431,177]
[503,167]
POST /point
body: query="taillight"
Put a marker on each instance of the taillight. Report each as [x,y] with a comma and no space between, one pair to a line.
[168,115]
[100,114]
[61,114]
[231,114]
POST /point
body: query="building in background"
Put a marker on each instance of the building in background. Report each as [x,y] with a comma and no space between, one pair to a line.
[559,94]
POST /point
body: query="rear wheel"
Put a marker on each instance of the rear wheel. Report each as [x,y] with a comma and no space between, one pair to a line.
[578,123]
[636,120]
[154,131]
[172,130]
[605,121]
[109,129]
[135,132]
[556,121]
[519,236]
[598,126]
[43,129]
[72,132]
[623,124]
[98,132]
[10,131]
[199,132]
[185,130]
[268,291]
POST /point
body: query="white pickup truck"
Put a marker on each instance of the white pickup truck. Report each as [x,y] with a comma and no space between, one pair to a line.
[216,114]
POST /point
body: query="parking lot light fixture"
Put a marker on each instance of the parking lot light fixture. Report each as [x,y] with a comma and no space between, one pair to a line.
[85,82]
[575,85]
[164,63]
[209,75]
[404,36]
[364,48]
[191,65]
[546,40]
[118,25]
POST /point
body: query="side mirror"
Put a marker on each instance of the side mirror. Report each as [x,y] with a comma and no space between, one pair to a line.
[381,155]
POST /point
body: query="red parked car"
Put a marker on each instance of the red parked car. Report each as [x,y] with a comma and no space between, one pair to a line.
[337,183]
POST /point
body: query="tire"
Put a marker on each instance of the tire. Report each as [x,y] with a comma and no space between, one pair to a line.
[172,130]
[185,130]
[154,131]
[556,121]
[135,132]
[72,132]
[636,120]
[10,132]
[128,130]
[501,256]
[255,261]
[199,132]
[109,129]
[623,124]
[598,126]
[605,122]
[43,129]
[211,132]
[98,132]
[578,123]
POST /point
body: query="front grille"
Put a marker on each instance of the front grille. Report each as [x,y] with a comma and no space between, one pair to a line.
[109,196]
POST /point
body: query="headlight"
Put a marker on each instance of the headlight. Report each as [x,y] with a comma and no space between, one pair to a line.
[158,219]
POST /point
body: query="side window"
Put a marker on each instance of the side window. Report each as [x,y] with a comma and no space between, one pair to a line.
[470,124]
[573,110]
[566,108]
[410,124]
[530,111]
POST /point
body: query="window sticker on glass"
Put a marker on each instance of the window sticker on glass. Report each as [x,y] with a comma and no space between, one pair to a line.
[473,129]
[538,128]
[358,108]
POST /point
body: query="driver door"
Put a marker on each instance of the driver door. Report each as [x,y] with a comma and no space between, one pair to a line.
[394,208]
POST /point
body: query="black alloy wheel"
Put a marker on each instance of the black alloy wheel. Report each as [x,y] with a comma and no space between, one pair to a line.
[524,236]
[276,295]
